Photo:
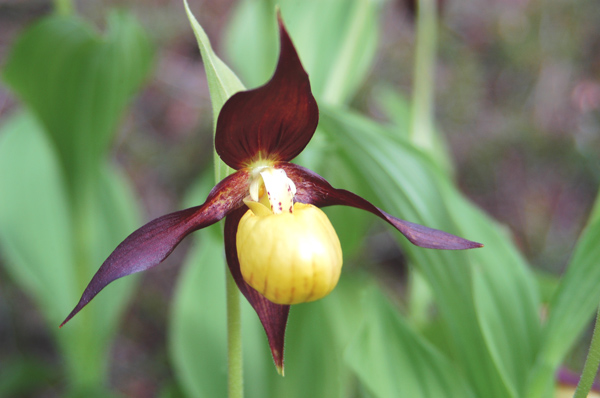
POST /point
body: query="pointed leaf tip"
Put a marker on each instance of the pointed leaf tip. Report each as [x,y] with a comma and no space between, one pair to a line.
[275,121]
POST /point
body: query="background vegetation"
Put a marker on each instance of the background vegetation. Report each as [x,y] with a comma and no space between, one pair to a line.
[106,121]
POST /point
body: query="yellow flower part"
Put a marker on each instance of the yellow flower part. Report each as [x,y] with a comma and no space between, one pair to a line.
[289,258]
[289,253]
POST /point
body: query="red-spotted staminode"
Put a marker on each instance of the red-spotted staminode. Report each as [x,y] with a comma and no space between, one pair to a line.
[280,247]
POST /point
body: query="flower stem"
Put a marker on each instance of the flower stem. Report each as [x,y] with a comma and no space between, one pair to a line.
[235,368]
[591,363]
[235,382]
[421,132]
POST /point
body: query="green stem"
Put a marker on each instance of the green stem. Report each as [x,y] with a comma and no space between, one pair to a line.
[590,369]
[235,382]
[421,133]
[64,7]
[235,372]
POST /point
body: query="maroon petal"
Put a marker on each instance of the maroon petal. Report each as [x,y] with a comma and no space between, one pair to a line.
[272,316]
[314,189]
[152,243]
[275,121]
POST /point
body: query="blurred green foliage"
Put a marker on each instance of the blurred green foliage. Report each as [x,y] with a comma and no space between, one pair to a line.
[63,207]
[464,324]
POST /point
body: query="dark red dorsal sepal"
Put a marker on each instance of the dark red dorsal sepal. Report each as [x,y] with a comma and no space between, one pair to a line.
[275,121]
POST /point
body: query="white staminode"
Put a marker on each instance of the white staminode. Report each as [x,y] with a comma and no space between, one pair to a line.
[277,189]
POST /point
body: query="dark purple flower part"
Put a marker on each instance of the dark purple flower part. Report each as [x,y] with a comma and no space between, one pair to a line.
[264,127]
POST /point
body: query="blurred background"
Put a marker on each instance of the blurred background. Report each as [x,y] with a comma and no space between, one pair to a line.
[517,98]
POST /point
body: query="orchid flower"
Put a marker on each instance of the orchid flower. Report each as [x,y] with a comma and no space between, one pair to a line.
[280,247]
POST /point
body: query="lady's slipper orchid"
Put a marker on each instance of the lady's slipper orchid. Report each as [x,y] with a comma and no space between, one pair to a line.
[280,247]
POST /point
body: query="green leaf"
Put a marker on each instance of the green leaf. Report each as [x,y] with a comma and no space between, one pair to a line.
[572,306]
[478,292]
[63,210]
[77,83]
[394,361]
[222,82]
[38,244]
[197,336]
[395,107]
[336,41]
[351,230]
[35,223]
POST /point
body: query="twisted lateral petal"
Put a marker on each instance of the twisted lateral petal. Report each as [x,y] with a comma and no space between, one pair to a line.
[272,316]
[275,121]
[314,189]
[152,243]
